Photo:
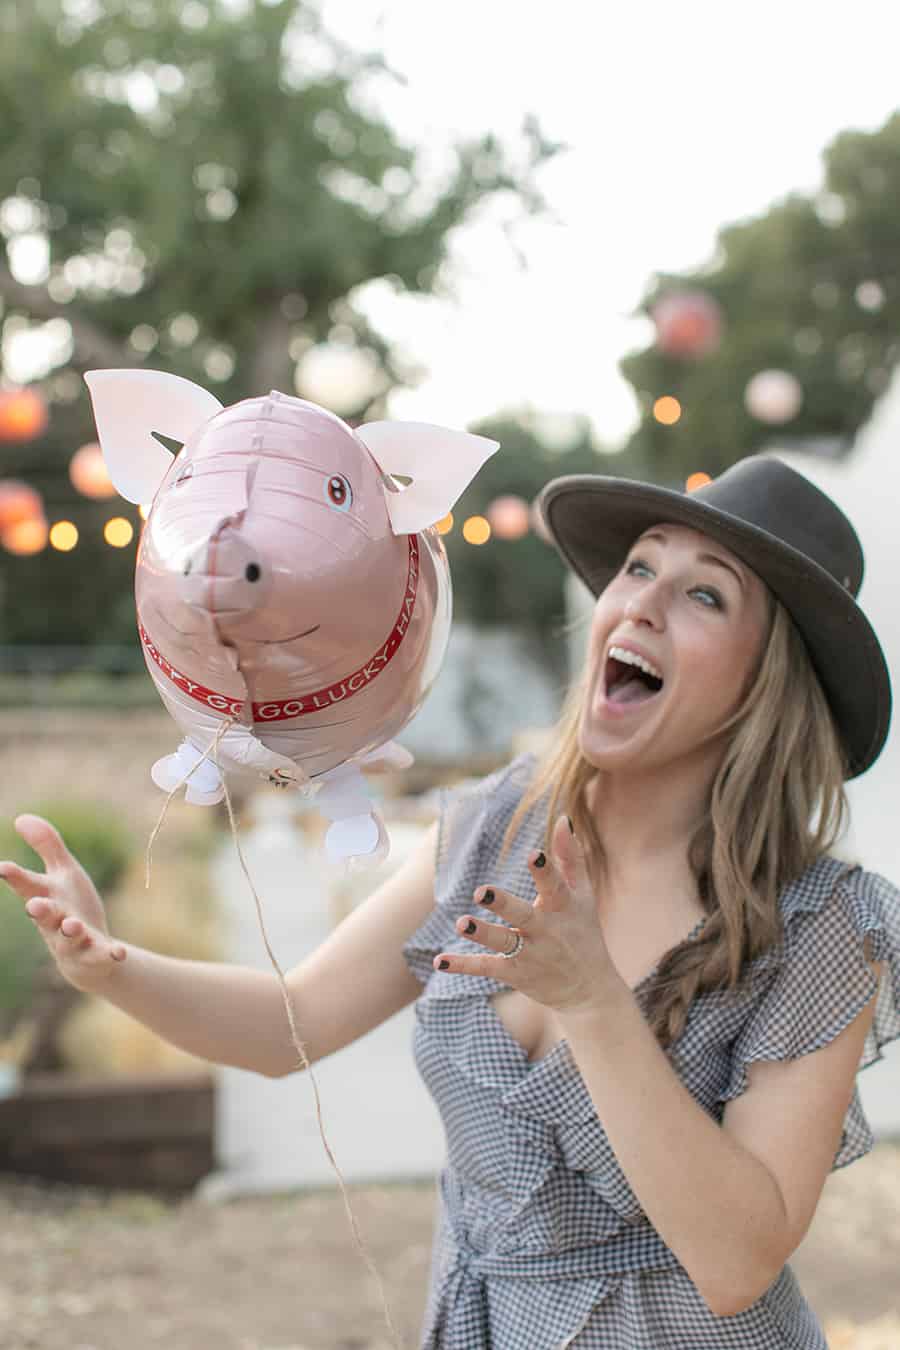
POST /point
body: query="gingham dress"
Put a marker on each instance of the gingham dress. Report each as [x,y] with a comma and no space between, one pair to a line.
[540,1242]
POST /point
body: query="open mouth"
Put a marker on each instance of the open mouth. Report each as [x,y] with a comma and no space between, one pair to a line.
[624,683]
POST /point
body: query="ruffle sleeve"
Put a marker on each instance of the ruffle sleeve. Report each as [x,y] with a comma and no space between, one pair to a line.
[823,980]
[472,819]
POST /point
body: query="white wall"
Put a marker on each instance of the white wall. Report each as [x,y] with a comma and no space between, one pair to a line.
[378,1117]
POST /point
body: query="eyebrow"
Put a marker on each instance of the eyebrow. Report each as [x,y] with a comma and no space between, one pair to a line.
[711,558]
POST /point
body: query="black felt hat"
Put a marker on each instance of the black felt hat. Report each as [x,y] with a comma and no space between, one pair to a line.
[783,527]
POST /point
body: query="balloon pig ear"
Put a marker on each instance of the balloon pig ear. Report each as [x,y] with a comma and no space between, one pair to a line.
[440,462]
[129,406]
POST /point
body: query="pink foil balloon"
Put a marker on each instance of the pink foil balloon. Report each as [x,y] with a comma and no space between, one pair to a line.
[290,596]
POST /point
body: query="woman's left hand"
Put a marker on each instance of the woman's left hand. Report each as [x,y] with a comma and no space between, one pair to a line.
[564,963]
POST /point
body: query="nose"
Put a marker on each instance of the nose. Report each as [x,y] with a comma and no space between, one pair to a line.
[223,575]
[647,605]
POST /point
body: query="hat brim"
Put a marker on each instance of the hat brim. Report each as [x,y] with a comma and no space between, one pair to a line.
[593,521]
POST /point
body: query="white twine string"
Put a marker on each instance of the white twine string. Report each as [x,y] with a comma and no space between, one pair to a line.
[289,1008]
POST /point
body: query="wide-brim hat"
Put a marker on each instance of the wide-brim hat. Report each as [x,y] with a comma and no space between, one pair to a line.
[783,527]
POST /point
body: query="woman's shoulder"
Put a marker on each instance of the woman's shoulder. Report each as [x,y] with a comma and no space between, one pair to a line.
[828,877]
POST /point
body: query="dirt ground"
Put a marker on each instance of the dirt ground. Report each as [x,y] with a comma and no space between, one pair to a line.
[84,1270]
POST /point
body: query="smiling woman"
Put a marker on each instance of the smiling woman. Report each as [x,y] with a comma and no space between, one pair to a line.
[698,978]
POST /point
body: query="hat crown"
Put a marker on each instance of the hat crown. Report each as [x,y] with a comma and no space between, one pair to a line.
[771,496]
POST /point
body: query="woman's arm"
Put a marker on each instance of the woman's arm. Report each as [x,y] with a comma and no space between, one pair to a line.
[230,1014]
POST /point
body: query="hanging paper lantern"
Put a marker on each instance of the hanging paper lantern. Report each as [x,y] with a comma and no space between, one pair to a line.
[773,396]
[26,536]
[509,517]
[87,470]
[18,503]
[688,324]
[23,415]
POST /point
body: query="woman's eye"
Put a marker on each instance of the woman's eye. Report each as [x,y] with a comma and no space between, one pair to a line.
[706,590]
[701,590]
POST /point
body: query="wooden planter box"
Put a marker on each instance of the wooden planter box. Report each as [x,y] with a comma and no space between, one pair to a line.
[152,1133]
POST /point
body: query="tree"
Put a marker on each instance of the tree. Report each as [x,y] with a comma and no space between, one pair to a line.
[211,187]
[810,287]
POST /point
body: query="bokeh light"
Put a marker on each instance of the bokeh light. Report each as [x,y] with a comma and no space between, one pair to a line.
[697,480]
[667,410]
[445,524]
[87,471]
[340,376]
[509,517]
[26,537]
[773,396]
[23,415]
[144,510]
[476,530]
[63,536]
[18,503]
[118,532]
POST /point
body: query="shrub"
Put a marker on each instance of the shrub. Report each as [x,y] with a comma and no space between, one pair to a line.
[99,840]
[103,846]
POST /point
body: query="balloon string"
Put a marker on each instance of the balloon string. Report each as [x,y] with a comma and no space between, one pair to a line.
[289,1008]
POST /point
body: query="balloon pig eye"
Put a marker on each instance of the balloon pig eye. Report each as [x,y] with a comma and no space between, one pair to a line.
[338,492]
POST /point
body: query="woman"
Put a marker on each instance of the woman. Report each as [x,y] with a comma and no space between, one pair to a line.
[646,1082]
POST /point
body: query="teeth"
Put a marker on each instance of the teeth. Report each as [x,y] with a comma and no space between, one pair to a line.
[632,659]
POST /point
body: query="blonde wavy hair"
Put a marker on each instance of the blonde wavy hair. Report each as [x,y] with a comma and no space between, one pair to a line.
[777,803]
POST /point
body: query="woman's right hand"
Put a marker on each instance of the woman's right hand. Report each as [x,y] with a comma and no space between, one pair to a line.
[64,905]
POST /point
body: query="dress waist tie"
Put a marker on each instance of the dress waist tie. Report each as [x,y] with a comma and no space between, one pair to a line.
[461,1317]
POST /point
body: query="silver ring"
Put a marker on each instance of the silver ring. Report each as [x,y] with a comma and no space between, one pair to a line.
[516,947]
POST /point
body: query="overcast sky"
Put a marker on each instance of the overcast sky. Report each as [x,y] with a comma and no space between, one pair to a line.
[680,118]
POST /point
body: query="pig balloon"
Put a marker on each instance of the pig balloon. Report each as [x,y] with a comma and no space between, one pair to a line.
[291,596]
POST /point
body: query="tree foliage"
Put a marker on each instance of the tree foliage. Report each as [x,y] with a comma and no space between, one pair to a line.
[811,287]
[215,186]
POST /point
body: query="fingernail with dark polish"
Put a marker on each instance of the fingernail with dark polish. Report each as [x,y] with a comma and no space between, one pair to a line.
[470,927]
[443,965]
[488,898]
[540,860]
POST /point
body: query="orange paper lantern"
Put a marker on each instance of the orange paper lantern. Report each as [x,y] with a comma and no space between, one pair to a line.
[87,471]
[18,503]
[23,415]
[688,324]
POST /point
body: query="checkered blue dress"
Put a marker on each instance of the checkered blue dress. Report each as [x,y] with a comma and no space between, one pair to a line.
[540,1242]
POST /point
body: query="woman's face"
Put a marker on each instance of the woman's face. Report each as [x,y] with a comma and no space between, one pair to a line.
[700,617]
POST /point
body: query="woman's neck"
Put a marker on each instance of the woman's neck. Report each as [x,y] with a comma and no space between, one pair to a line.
[645,827]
